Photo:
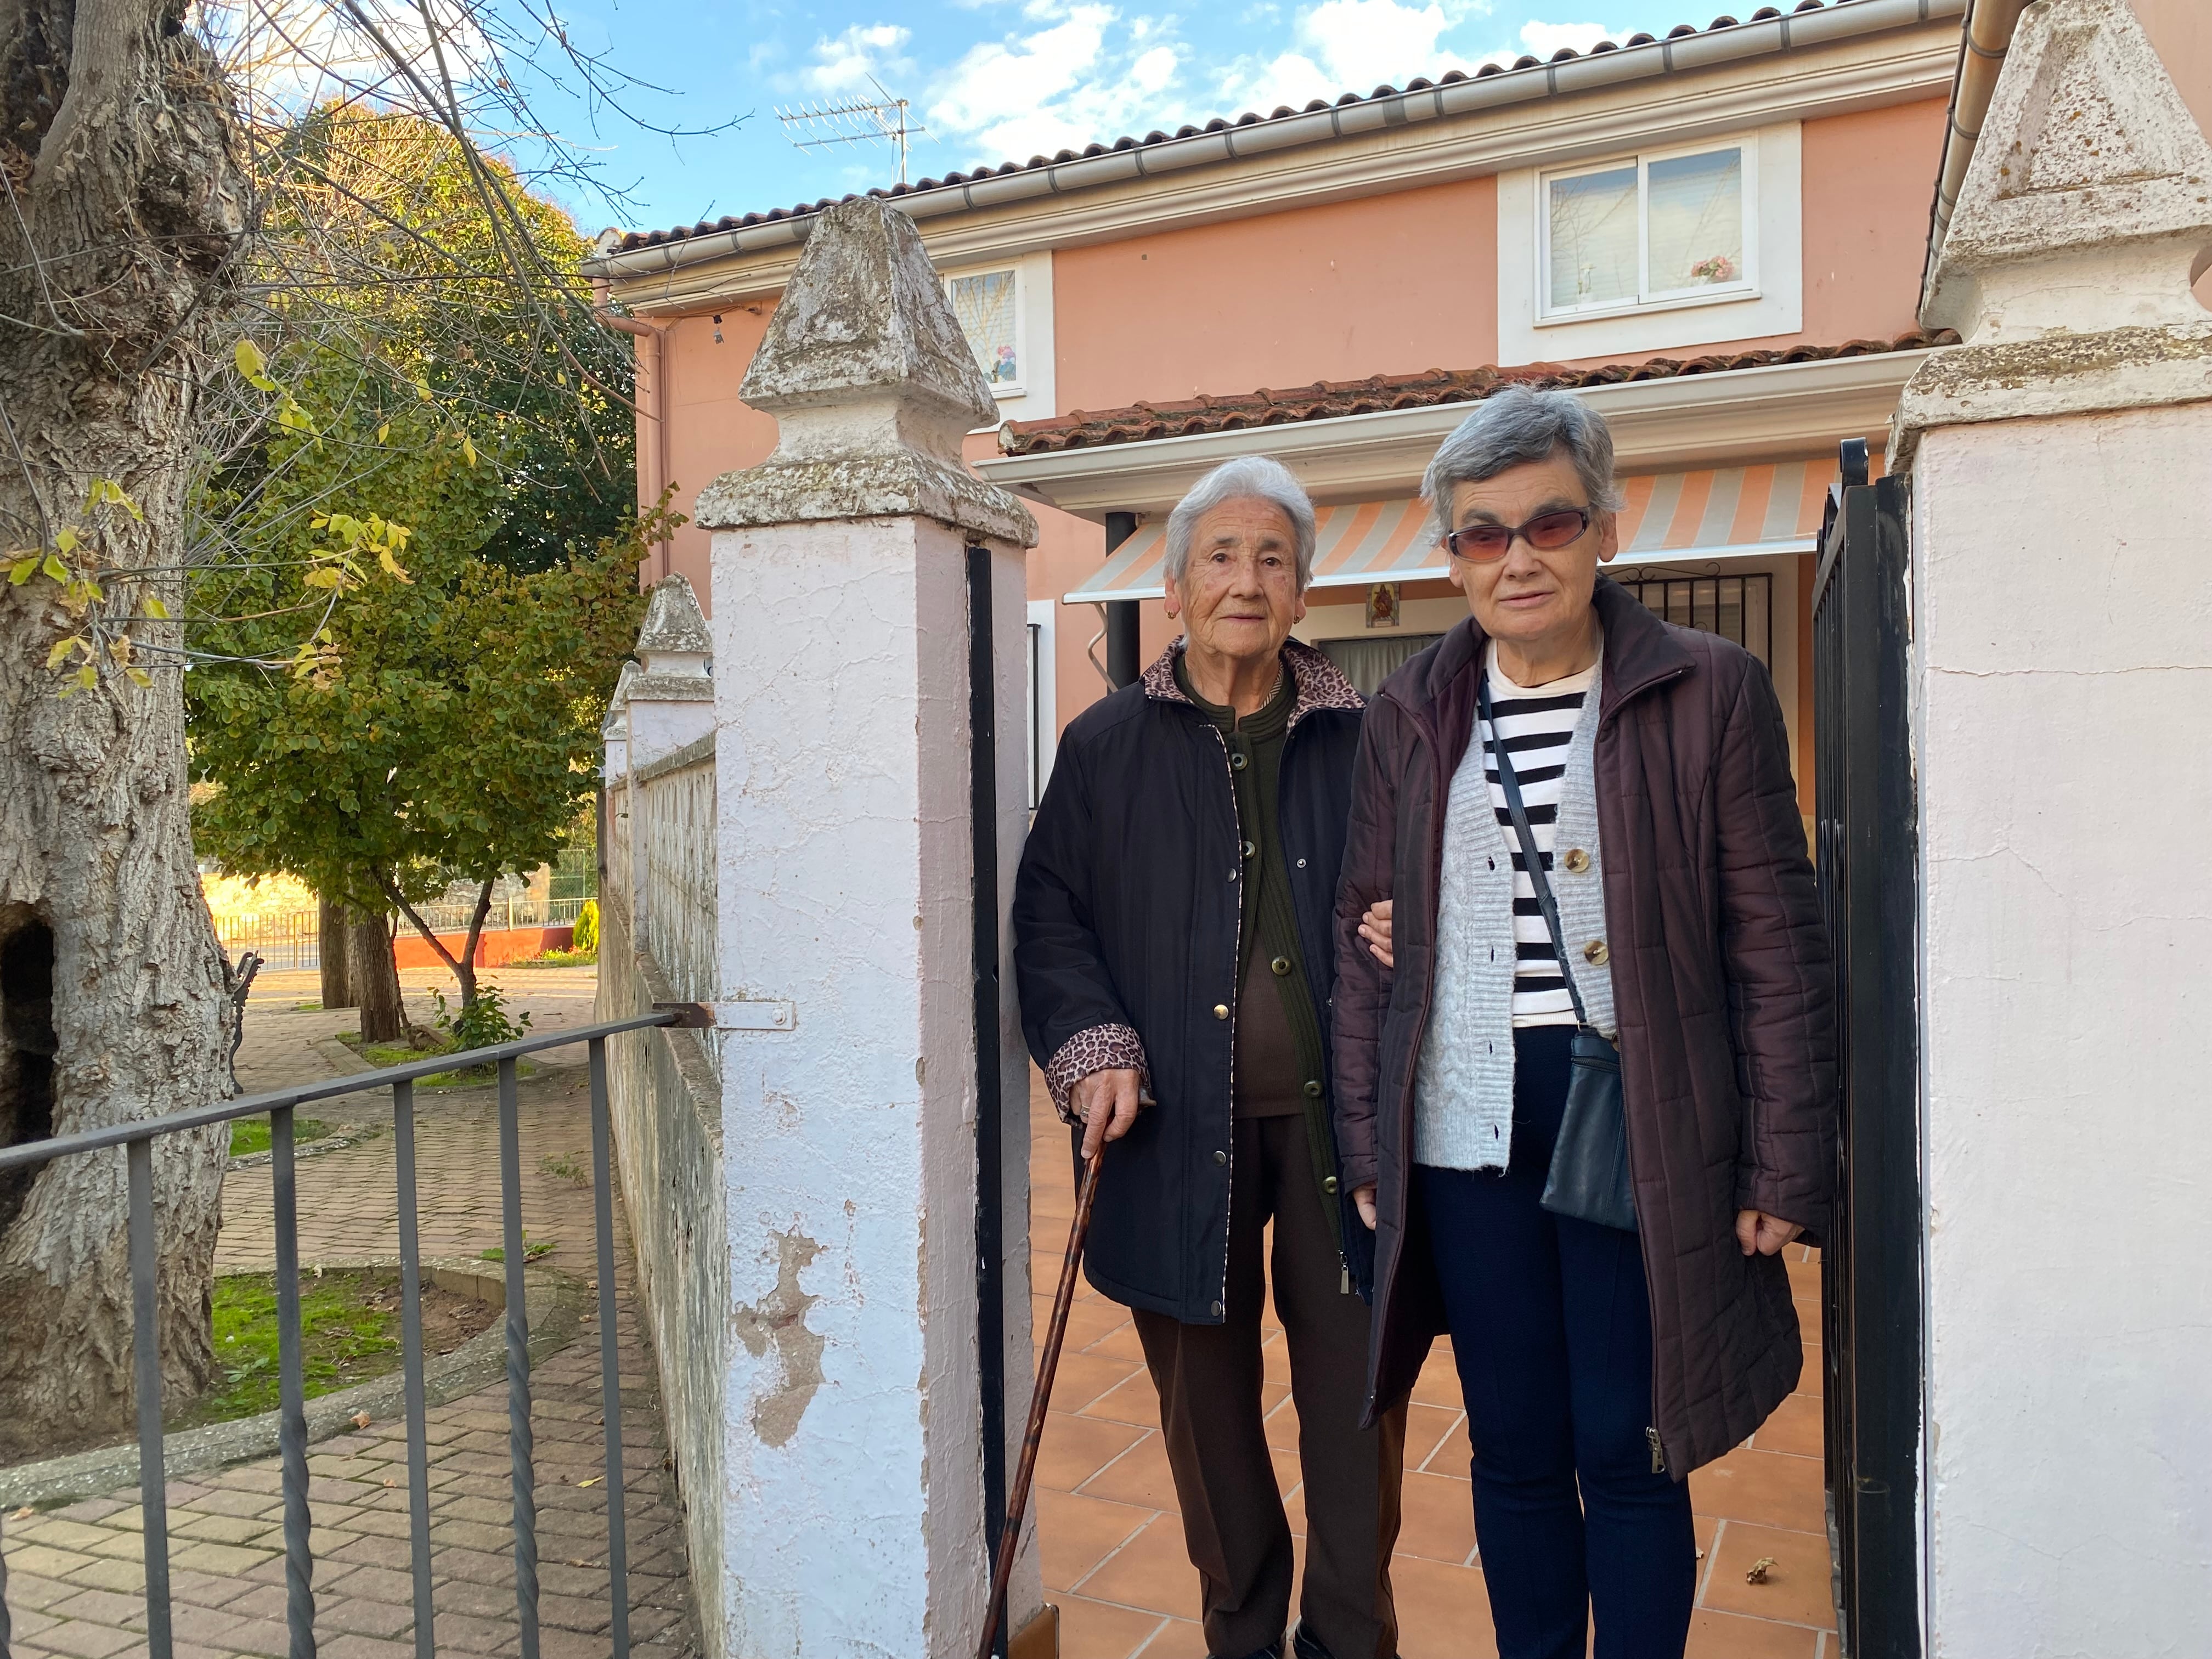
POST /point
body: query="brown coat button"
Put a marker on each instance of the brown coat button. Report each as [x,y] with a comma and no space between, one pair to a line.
[1221,1011]
[1576,861]
[1595,954]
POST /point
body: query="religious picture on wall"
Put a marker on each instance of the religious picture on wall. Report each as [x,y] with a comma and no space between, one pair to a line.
[1382,605]
[984,303]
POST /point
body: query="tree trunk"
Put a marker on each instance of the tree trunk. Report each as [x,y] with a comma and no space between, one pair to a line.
[117,258]
[331,954]
[374,977]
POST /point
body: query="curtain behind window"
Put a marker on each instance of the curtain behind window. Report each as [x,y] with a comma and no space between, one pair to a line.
[1368,660]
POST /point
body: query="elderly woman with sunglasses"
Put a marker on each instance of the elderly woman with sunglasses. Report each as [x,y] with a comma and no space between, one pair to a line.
[1585,1047]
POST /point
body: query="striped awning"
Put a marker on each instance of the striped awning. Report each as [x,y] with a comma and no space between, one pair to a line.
[1733,512]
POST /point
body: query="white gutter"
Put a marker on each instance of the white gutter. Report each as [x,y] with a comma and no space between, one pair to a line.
[1728,417]
[1988,38]
[1839,20]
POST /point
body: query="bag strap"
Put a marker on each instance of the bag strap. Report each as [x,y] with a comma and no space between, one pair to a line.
[1511,782]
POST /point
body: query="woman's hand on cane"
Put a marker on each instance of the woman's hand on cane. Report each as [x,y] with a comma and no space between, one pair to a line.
[1108,1103]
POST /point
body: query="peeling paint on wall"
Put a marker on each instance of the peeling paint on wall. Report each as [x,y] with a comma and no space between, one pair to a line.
[778,1320]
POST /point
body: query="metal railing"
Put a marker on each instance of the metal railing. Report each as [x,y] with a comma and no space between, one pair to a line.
[293,938]
[136,1139]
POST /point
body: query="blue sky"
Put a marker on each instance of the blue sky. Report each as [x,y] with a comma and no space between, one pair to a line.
[1003,80]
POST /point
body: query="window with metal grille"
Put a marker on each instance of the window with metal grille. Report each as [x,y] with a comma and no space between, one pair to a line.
[1739,608]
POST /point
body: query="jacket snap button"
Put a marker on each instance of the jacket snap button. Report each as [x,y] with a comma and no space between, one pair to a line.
[1250,847]
[1281,965]
[1240,762]
[1576,861]
[1329,1184]
[1596,953]
[1302,864]
[1221,1157]
[1313,1088]
[1217,1310]
[1221,1011]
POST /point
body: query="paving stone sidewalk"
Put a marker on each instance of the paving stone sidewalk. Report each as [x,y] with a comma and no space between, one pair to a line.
[74,1576]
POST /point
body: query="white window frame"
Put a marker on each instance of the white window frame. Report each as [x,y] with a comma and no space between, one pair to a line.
[1701,317]
[1744,287]
[1013,268]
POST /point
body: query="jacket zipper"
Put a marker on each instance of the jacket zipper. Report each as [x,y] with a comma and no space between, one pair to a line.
[1236,991]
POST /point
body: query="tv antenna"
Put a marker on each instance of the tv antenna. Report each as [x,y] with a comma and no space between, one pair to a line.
[814,126]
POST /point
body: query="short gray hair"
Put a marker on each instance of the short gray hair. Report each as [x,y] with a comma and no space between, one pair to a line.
[1247,478]
[1513,427]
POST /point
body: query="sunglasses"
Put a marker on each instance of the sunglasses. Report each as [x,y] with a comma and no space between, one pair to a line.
[1548,532]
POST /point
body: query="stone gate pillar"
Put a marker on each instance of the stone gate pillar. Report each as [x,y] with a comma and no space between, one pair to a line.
[853,1459]
[2060,468]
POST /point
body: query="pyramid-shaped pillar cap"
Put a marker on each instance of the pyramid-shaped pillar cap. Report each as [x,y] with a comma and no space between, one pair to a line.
[873,386]
[2089,201]
[674,647]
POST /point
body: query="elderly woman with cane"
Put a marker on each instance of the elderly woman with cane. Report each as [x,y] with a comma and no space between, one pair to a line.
[1174,938]
[1585,1042]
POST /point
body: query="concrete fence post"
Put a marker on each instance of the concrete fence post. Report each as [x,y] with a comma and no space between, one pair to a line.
[854,1457]
[2060,469]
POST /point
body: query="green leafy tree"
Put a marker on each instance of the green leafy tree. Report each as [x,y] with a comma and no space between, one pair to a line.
[442,718]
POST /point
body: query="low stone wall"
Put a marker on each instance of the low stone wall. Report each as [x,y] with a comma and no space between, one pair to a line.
[666,1105]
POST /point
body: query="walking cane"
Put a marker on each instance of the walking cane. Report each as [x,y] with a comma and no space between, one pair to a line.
[1010,1541]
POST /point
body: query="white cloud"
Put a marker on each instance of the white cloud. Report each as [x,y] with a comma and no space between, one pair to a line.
[1350,46]
[863,53]
[1542,39]
[1088,78]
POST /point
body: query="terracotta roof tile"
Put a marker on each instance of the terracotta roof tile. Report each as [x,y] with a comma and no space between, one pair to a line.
[639,238]
[1329,399]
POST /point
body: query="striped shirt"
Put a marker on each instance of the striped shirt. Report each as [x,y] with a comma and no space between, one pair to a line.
[1537,723]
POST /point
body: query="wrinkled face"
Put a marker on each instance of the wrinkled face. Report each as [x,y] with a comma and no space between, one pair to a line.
[1239,594]
[1531,595]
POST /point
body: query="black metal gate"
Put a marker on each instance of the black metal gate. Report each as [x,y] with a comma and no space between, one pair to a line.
[1867,826]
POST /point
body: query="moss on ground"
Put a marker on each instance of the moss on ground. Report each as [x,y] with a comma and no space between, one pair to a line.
[252,1134]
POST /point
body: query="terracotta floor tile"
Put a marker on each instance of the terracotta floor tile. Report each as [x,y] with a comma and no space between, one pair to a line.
[1770,1489]
[1425,1429]
[1134,1399]
[1725,1636]
[1455,1454]
[1437,1520]
[1076,1533]
[1121,1342]
[1282,1423]
[1093,1322]
[1093,1630]
[1439,1384]
[1275,1358]
[1294,1510]
[1077,1448]
[1178,1639]
[1798,1587]
[1443,1612]
[1138,1476]
[1151,1572]
[1804,1278]
[1085,1377]
[1796,1426]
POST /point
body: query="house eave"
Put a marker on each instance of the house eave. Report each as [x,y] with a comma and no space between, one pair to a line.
[1728,417]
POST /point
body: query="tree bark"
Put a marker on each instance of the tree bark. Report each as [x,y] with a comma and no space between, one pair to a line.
[117,258]
[331,954]
[374,974]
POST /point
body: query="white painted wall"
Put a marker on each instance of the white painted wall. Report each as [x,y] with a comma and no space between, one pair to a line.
[853,1455]
[2063,676]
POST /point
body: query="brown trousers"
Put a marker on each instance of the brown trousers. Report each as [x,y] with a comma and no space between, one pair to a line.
[1209,1379]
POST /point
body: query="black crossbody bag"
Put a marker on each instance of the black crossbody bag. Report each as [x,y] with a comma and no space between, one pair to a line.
[1588,1178]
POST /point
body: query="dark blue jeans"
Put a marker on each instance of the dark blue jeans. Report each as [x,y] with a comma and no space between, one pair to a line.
[1551,1326]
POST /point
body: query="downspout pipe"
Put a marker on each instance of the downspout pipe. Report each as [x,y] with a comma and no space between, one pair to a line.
[653,350]
[1987,38]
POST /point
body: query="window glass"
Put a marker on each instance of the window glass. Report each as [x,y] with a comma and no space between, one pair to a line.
[984,303]
[1593,230]
[1697,221]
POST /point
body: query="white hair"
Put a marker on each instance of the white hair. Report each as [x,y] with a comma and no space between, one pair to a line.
[1247,478]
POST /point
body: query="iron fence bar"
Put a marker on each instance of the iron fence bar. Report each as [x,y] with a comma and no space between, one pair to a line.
[7,1626]
[410,1337]
[519,1448]
[291,1394]
[603,1204]
[146,1360]
[117,1135]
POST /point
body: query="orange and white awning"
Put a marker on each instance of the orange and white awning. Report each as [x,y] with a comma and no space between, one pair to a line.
[1720,513]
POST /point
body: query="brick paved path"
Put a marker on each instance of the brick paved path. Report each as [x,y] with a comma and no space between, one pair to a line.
[74,1579]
